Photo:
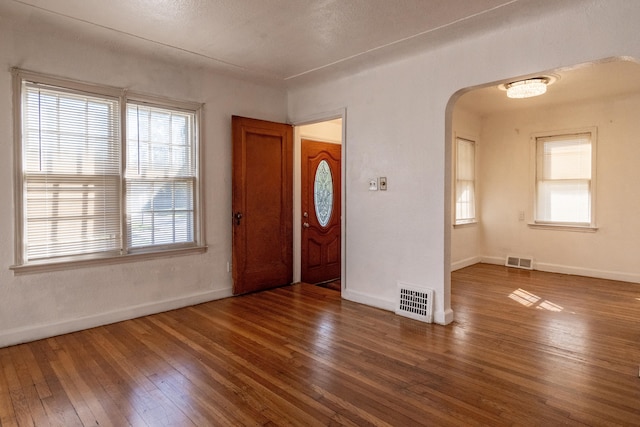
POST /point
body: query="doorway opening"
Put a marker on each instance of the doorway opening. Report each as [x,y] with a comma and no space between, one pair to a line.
[318,203]
[507,168]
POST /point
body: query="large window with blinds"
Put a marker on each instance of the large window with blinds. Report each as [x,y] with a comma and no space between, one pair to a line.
[565,174]
[465,182]
[102,174]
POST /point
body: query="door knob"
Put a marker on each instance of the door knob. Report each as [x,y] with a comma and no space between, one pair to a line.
[305,224]
[237,216]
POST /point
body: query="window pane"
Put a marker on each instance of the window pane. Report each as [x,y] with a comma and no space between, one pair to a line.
[465,201]
[465,160]
[183,196]
[160,142]
[566,157]
[323,193]
[161,176]
[163,228]
[564,165]
[561,201]
[158,211]
[465,181]
[183,227]
[66,216]
[71,169]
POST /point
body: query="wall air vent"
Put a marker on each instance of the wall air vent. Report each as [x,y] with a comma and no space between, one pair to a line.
[415,302]
[517,262]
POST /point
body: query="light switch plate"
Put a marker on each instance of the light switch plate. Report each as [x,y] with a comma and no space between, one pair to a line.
[382,183]
[373,185]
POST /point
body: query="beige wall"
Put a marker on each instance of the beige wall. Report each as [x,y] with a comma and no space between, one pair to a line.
[327,131]
[505,178]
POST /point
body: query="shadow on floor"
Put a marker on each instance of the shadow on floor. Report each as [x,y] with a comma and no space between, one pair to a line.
[334,285]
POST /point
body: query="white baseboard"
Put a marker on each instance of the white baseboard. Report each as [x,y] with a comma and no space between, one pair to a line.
[36,332]
[369,300]
[493,260]
[589,272]
[439,317]
[465,263]
[577,271]
[443,317]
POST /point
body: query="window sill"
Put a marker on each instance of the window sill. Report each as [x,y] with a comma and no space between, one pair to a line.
[465,224]
[40,267]
[564,227]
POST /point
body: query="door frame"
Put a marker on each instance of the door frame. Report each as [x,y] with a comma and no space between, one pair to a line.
[297,189]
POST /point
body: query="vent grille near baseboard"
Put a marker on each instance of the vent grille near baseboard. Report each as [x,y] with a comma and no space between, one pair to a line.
[517,262]
[415,302]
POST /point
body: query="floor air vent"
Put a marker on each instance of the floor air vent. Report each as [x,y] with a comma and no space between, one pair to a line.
[517,262]
[415,302]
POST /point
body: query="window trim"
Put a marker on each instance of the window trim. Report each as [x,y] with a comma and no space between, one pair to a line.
[126,255]
[475,220]
[563,226]
[40,267]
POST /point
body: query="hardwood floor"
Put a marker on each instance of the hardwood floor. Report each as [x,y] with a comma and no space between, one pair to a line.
[527,348]
[334,285]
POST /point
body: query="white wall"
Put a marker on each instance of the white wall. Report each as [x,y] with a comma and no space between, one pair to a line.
[43,304]
[398,123]
[466,239]
[505,173]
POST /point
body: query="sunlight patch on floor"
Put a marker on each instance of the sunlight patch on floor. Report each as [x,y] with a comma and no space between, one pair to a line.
[530,300]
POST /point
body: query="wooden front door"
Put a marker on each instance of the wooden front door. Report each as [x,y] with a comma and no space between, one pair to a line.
[262,204]
[321,211]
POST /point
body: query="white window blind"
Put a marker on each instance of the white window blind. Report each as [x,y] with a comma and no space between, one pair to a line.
[160,176]
[465,181]
[563,179]
[91,186]
[71,173]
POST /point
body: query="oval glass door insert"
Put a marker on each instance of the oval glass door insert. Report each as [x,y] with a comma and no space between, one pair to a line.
[323,193]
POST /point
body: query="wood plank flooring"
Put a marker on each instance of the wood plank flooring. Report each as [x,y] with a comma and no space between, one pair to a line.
[527,348]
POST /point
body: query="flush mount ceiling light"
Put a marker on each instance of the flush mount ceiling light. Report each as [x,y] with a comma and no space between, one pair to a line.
[527,88]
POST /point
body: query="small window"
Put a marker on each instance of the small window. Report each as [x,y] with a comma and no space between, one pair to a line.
[465,172]
[323,193]
[565,166]
[91,186]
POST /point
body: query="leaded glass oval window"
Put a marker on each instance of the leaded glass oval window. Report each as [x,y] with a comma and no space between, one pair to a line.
[323,193]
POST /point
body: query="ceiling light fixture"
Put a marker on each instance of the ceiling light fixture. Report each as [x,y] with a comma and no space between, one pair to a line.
[527,88]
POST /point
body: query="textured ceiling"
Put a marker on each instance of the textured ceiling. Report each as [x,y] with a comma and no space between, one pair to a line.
[576,84]
[293,40]
[281,39]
